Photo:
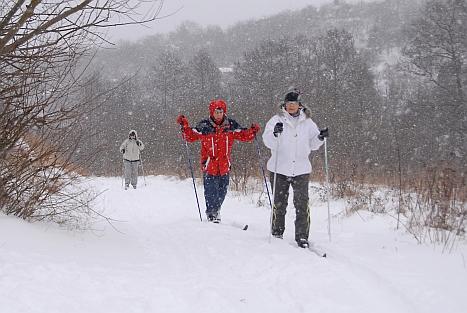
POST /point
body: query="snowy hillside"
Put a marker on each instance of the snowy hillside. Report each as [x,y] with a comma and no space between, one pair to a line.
[161,258]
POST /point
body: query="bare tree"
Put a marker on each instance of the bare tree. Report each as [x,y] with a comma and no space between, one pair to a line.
[205,78]
[42,102]
[437,53]
[170,78]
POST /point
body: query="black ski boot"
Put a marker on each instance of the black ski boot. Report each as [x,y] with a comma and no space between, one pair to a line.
[278,233]
[215,218]
[303,243]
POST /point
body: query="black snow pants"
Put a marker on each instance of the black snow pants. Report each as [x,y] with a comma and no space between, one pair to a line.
[300,200]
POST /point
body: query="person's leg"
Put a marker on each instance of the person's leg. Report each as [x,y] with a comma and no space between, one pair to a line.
[127,171]
[134,173]
[211,194]
[281,196]
[223,186]
[302,210]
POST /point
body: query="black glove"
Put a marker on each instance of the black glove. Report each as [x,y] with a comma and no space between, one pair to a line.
[323,133]
[138,143]
[278,129]
[122,151]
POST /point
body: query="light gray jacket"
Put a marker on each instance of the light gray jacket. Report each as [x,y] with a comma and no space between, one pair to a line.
[131,147]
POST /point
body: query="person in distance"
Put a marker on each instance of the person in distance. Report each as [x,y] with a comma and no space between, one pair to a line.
[131,148]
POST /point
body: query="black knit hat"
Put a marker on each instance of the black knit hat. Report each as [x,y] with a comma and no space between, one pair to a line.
[293,96]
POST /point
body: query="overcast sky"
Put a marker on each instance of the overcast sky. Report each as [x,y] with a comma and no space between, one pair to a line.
[212,12]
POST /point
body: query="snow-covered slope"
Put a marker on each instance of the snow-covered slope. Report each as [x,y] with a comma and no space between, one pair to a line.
[161,258]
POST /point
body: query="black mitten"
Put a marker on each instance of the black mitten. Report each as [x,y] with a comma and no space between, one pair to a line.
[278,129]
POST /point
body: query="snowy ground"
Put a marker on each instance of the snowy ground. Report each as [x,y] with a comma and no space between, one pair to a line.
[162,258]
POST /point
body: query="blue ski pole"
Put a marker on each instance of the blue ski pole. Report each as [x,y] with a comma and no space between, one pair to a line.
[191,170]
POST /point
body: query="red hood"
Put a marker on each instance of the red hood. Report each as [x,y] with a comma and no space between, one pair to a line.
[217,104]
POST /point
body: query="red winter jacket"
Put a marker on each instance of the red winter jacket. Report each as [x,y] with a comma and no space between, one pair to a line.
[216,143]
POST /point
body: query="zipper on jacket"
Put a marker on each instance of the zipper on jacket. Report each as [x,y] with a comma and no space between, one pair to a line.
[226,145]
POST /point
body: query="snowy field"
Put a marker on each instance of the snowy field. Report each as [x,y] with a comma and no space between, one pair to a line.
[161,258]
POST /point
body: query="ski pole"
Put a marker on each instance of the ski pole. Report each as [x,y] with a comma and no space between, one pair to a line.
[123,169]
[327,185]
[262,169]
[142,168]
[191,170]
[274,186]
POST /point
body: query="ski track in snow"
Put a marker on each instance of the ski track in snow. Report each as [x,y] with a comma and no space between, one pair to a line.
[161,258]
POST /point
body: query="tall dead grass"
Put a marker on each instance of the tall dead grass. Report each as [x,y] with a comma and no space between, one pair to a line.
[430,202]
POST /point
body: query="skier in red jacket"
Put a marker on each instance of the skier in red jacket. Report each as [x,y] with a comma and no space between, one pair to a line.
[217,135]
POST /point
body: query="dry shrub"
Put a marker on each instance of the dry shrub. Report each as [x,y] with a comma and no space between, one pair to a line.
[431,202]
[437,205]
[40,182]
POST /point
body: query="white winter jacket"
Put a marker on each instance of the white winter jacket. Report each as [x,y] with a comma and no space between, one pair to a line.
[295,143]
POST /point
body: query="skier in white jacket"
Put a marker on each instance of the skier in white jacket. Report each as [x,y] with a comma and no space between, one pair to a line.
[291,135]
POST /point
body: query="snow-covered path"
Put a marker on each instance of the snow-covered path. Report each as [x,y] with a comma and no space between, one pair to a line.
[161,258]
